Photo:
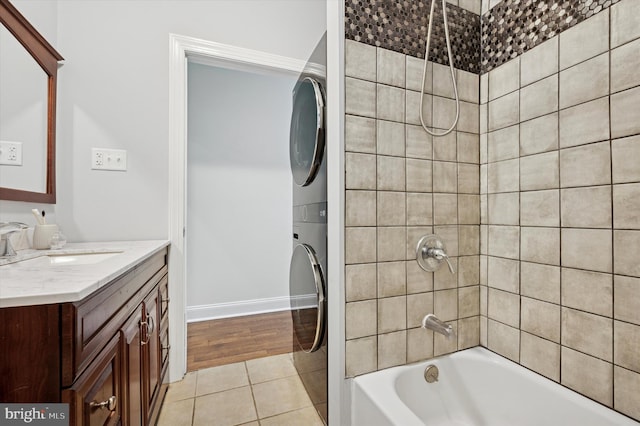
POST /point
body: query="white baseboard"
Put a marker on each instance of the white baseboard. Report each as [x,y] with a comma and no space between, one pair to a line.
[242,308]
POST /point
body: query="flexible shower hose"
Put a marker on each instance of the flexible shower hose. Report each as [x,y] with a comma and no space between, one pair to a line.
[424,72]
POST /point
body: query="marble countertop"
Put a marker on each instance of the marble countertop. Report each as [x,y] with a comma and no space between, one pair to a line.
[31,283]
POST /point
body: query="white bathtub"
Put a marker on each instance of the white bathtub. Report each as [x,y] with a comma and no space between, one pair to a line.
[475,388]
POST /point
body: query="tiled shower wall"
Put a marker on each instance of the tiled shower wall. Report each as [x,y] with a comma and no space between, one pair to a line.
[560,208]
[402,184]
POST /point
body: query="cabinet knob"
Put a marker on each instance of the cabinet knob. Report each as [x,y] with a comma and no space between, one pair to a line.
[110,404]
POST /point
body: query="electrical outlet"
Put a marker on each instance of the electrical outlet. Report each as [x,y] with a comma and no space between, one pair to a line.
[108,159]
[10,153]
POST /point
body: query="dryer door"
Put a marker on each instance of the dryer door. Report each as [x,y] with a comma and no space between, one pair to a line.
[306,137]
[306,289]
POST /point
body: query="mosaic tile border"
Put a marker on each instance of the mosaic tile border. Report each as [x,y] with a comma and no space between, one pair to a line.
[401,26]
[514,26]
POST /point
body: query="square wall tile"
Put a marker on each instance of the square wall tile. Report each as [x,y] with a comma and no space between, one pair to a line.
[469,240]
[503,274]
[625,62]
[588,249]
[540,208]
[585,81]
[540,318]
[445,177]
[442,85]
[415,69]
[468,86]
[445,209]
[361,356]
[391,208]
[468,271]
[503,144]
[504,340]
[484,88]
[360,208]
[468,332]
[390,138]
[419,144]
[418,280]
[392,314]
[392,279]
[587,39]
[504,307]
[413,108]
[598,384]
[626,245]
[391,243]
[390,103]
[539,98]
[443,279]
[539,135]
[419,344]
[360,134]
[419,208]
[626,306]
[468,301]
[539,62]
[588,291]
[625,22]
[468,209]
[444,147]
[418,305]
[585,123]
[360,282]
[361,319]
[468,148]
[360,245]
[540,245]
[540,281]
[539,171]
[626,206]
[626,341]
[444,112]
[624,158]
[391,67]
[419,175]
[392,349]
[360,171]
[504,79]
[504,111]
[625,113]
[360,60]
[585,165]
[503,176]
[360,97]
[468,178]
[504,241]
[504,208]
[627,392]
[445,304]
[540,355]
[390,173]
[588,207]
[468,120]
[597,342]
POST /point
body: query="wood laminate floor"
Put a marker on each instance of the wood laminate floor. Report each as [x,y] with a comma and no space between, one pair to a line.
[230,340]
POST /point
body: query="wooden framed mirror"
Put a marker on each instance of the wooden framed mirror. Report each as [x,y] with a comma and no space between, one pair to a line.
[32,123]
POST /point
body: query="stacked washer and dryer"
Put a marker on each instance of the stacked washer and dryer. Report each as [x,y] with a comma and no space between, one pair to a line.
[308,270]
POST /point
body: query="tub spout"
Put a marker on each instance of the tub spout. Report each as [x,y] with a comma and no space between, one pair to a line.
[431,322]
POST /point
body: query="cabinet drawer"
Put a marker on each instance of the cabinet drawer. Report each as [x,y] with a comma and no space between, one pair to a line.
[87,324]
[96,397]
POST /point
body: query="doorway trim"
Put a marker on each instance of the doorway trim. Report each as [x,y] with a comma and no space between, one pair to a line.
[183,49]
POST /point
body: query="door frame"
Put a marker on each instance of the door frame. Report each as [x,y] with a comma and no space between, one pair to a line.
[182,50]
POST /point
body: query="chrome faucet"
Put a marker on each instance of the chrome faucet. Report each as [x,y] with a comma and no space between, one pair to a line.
[431,322]
[6,229]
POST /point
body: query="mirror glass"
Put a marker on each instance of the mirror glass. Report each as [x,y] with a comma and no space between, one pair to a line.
[23,116]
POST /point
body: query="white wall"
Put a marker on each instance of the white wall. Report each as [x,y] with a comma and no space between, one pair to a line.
[113,93]
[239,190]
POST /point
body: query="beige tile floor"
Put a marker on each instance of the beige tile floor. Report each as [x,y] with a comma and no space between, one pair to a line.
[264,391]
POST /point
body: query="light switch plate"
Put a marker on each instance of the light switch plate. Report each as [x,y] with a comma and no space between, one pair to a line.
[108,159]
[10,153]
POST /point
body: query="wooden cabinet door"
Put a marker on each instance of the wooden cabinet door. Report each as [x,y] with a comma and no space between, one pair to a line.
[132,372]
[95,399]
[152,355]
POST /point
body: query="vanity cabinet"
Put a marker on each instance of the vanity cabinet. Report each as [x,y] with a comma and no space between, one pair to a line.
[106,355]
